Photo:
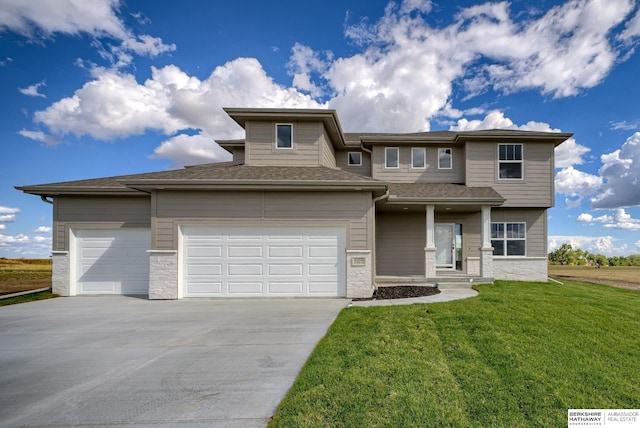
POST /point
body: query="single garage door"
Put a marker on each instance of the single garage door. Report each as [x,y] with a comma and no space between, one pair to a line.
[263,261]
[112,261]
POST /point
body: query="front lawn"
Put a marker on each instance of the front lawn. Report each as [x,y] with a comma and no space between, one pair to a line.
[519,354]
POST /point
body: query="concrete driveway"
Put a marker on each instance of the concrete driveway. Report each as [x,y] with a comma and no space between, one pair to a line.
[105,361]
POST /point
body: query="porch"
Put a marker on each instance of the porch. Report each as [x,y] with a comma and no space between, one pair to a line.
[422,239]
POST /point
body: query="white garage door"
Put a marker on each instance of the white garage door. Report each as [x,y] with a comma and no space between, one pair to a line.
[263,261]
[112,261]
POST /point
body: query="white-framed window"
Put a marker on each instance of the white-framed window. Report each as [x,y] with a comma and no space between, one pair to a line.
[509,239]
[510,165]
[418,158]
[354,158]
[391,157]
[284,136]
[445,158]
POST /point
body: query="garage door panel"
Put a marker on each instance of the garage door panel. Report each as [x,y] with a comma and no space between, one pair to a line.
[244,269]
[268,260]
[205,269]
[205,251]
[205,288]
[286,252]
[243,288]
[285,269]
[243,251]
[286,288]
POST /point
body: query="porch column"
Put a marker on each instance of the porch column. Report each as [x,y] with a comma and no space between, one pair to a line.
[430,249]
[486,251]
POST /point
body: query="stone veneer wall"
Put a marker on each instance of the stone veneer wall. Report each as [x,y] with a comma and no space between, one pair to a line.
[163,274]
[359,274]
[520,268]
[61,273]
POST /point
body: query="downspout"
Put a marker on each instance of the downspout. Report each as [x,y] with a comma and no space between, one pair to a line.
[365,149]
[44,199]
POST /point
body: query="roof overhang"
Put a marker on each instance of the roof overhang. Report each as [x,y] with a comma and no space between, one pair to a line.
[327,116]
[68,190]
[500,135]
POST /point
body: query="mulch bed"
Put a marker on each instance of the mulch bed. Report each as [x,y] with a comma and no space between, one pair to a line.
[402,292]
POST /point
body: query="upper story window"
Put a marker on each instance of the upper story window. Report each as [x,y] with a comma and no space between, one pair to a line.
[509,239]
[445,158]
[510,161]
[284,136]
[418,158]
[354,159]
[391,157]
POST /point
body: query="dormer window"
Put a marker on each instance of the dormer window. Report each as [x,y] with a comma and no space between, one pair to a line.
[391,157]
[355,158]
[510,161]
[284,136]
[445,158]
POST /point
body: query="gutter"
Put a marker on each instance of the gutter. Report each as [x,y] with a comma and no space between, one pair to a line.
[44,199]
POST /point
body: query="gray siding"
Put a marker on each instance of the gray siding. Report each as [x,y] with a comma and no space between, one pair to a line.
[431,174]
[95,212]
[535,190]
[260,148]
[400,242]
[536,220]
[342,162]
[183,207]
[328,152]
[238,155]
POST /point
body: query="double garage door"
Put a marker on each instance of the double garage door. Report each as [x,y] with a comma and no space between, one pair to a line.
[263,261]
[217,261]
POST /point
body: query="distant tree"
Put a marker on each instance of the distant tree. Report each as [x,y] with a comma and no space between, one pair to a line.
[565,255]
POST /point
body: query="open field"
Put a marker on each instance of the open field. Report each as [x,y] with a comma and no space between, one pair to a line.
[616,276]
[518,355]
[24,274]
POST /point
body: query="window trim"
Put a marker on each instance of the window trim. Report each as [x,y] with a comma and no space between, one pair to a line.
[290,125]
[451,157]
[520,161]
[349,158]
[424,158]
[505,239]
[386,157]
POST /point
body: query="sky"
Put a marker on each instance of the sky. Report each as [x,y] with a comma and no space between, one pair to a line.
[96,88]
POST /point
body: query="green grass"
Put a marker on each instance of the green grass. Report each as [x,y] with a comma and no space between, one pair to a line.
[27,298]
[519,354]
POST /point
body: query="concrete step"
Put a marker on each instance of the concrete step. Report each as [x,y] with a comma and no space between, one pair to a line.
[450,285]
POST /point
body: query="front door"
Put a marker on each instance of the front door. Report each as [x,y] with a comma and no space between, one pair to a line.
[445,246]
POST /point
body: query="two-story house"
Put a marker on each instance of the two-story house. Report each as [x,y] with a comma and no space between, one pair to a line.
[305,209]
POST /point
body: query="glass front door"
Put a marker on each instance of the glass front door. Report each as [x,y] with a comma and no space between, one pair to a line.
[445,246]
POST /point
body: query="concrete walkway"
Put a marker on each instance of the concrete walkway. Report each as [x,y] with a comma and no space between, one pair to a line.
[445,295]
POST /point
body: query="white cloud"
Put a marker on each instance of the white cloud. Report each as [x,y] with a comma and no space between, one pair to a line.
[32,91]
[115,105]
[619,220]
[23,246]
[8,214]
[570,153]
[190,150]
[40,136]
[302,64]
[43,229]
[621,172]
[574,183]
[626,125]
[96,18]
[3,226]
[8,60]
[632,28]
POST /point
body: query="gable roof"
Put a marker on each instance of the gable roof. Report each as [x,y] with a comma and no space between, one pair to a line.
[216,176]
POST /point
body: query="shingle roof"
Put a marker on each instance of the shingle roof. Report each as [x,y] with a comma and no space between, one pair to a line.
[229,173]
[442,192]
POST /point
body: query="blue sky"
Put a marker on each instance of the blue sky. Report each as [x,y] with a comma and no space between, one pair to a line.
[105,88]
